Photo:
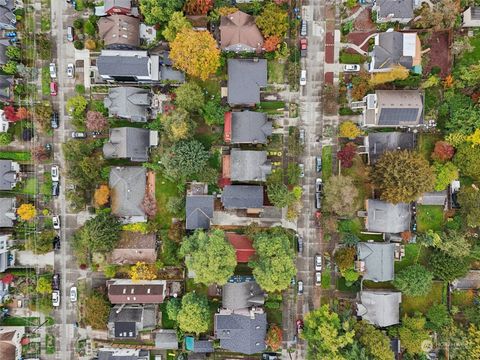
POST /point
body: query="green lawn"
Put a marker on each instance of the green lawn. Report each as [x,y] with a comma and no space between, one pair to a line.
[50,344]
[198,288]
[274,315]
[167,323]
[29,186]
[426,144]
[276,72]
[271,107]
[342,286]
[16,155]
[45,81]
[164,189]
[327,168]
[411,304]
[20,321]
[473,57]
[412,256]
[368,284]
[463,298]
[326,278]
[430,217]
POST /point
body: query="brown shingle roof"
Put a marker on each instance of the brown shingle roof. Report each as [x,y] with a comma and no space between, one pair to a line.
[133,247]
[119,30]
[140,292]
[238,30]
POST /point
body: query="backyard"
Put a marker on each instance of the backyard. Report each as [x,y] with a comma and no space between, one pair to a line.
[164,189]
[426,143]
[430,217]
[411,304]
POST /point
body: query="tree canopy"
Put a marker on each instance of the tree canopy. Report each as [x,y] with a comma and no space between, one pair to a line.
[194,316]
[184,159]
[97,310]
[414,280]
[178,125]
[210,256]
[189,96]
[341,195]
[176,23]
[159,11]
[412,334]
[469,200]
[213,112]
[349,130]
[402,176]
[448,268]
[445,174]
[273,21]
[376,342]
[42,243]
[466,159]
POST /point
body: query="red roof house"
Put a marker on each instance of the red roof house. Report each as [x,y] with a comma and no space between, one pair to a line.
[123,291]
[243,246]
[227,127]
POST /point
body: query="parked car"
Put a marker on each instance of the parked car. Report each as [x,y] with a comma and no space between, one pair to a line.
[303,47]
[55,188]
[70,34]
[303,28]
[56,243]
[70,70]
[318,163]
[53,70]
[53,88]
[299,243]
[55,172]
[56,222]
[301,136]
[54,121]
[96,133]
[302,170]
[351,68]
[318,278]
[318,262]
[56,281]
[303,77]
[73,294]
[79,135]
[318,201]
[318,185]
[56,298]
[299,325]
[300,287]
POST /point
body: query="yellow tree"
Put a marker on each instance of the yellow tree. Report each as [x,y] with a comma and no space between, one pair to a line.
[26,212]
[101,195]
[195,52]
[349,129]
[143,271]
[398,72]
[474,138]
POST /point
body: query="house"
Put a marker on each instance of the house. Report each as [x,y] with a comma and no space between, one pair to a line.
[246,165]
[246,77]
[439,198]
[198,346]
[4,123]
[393,108]
[126,321]
[134,247]
[130,143]
[126,291]
[247,197]
[241,295]
[6,257]
[198,211]
[387,218]
[375,260]
[394,10]
[243,246]
[4,44]
[394,48]
[130,103]
[122,354]
[119,32]
[10,342]
[8,20]
[6,93]
[379,142]
[246,127]
[9,174]
[241,333]
[471,281]
[166,339]
[7,212]
[128,189]
[379,308]
[128,65]
[122,7]
[471,17]
[239,33]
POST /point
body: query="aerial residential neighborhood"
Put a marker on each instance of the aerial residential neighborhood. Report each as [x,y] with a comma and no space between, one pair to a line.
[244,179]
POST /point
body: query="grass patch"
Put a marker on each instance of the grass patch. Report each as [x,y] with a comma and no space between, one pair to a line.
[20,321]
[353,226]
[463,298]
[208,139]
[326,278]
[342,285]
[276,72]
[430,217]
[271,107]
[50,344]
[412,304]
[15,155]
[115,123]
[327,168]
[45,23]
[164,189]
[45,81]
[167,323]
[29,187]
[469,58]
[274,315]
[412,256]
[347,58]
[198,288]
[46,188]
[426,144]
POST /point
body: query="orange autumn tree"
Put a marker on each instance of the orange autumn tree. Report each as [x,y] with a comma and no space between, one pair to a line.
[143,271]
[274,337]
[198,7]
[195,52]
[26,212]
[271,43]
[101,196]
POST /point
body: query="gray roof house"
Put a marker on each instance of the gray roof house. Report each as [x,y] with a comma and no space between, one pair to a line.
[166,339]
[128,65]
[249,165]
[4,253]
[8,20]
[128,187]
[393,108]
[387,218]
[7,212]
[9,171]
[434,198]
[394,10]
[471,17]
[380,142]
[198,346]
[242,197]
[241,333]
[379,308]
[130,143]
[245,79]
[395,48]
[3,51]
[123,354]
[6,87]
[129,103]
[242,295]
[376,260]
[247,127]
[199,211]
[126,321]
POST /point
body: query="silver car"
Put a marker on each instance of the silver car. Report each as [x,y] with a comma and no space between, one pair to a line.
[70,70]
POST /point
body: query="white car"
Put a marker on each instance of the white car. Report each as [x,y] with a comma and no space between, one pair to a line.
[56,222]
[70,70]
[54,171]
[53,71]
[351,67]
[318,278]
[318,263]
[303,77]
[56,298]
[318,185]
[73,294]
[302,170]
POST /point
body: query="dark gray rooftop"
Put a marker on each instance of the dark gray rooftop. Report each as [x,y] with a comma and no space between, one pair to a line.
[199,211]
[166,339]
[250,127]
[119,65]
[6,83]
[240,333]
[242,295]
[380,142]
[245,79]
[127,142]
[378,258]
[7,17]
[7,175]
[389,51]
[128,102]
[242,197]
[128,186]
[7,213]
[400,9]
[386,217]
[380,308]
[249,165]
[475,12]
[434,198]
[395,116]
[168,73]
[117,3]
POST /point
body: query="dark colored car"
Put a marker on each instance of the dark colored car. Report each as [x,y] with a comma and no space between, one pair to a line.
[299,243]
[56,282]
[56,243]
[318,200]
[54,123]
[318,163]
[55,188]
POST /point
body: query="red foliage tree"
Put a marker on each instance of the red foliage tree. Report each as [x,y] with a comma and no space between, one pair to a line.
[443,151]
[274,337]
[347,154]
[7,279]
[22,113]
[198,7]
[271,43]
[149,205]
[96,121]
[10,113]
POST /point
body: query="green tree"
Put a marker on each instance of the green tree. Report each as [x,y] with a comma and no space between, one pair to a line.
[178,125]
[110,271]
[213,112]
[176,24]
[273,266]
[210,256]
[466,159]
[325,334]
[159,11]
[469,200]
[13,53]
[89,28]
[445,174]
[349,239]
[96,311]
[10,67]
[402,176]
[448,268]
[174,306]
[279,195]
[412,334]
[454,243]
[273,21]
[341,195]
[438,317]
[414,280]
[293,173]
[194,316]
[376,342]
[185,159]
[78,23]
[76,106]
[100,233]
[5,138]
[44,286]
[468,76]
[189,96]
[42,243]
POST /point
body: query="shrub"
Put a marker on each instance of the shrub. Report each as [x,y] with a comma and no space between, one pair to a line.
[77,44]
[78,24]
[5,138]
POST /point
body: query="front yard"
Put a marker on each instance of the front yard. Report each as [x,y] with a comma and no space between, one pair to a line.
[276,72]
[327,168]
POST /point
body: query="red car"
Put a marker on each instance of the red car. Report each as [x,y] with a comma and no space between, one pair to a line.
[303,47]
[299,324]
[53,88]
